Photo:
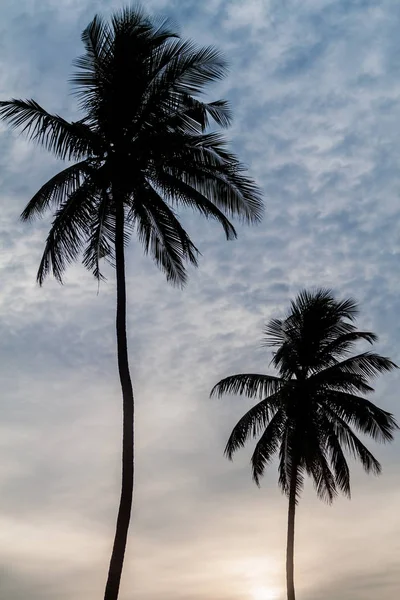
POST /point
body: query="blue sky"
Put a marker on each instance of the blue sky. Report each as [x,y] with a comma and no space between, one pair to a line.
[315,89]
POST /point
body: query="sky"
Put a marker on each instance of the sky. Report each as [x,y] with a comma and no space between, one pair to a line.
[315,90]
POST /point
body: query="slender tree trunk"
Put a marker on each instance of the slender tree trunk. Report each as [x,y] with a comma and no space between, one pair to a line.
[290,537]
[124,513]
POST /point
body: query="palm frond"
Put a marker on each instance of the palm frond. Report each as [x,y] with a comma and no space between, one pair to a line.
[323,301]
[248,384]
[290,463]
[314,322]
[68,233]
[344,342]
[311,446]
[131,20]
[324,480]
[181,193]
[162,235]
[367,364]
[162,29]
[274,333]
[196,68]
[286,361]
[93,65]
[220,111]
[101,240]
[252,423]
[353,444]
[97,38]
[344,381]
[338,345]
[353,374]
[193,116]
[56,190]
[185,68]
[182,112]
[336,456]
[67,141]
[347,309]
[362,414]
[233,193]
[266,447]
[204,163]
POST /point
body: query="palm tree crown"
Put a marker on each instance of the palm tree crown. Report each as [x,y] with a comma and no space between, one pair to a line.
[143,140]
[311,412]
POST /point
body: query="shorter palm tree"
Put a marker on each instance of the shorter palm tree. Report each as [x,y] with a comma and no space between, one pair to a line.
[309,414]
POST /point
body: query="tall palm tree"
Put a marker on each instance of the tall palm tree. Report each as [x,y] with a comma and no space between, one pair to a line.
[310,412]
[142,148]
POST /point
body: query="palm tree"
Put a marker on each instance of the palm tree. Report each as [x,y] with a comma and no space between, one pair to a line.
[310,412]
[142,148]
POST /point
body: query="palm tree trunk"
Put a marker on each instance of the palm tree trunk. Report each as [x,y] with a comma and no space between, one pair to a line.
[290,537]
[124,513]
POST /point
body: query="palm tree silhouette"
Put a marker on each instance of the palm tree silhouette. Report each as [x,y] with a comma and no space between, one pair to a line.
[309,413]
[142,148]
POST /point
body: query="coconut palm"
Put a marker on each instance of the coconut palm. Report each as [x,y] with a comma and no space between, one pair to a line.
[309,414]
[142,149]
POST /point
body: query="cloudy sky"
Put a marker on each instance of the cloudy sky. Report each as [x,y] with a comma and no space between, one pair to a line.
[315,87]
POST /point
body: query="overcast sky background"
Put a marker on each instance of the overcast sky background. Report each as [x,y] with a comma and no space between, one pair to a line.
[315,87]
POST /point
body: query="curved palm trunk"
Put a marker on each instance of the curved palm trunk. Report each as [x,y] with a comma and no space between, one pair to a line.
[124,513]
[290,537]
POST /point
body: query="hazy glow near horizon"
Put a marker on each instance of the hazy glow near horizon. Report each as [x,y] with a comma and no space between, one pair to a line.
[265,593]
